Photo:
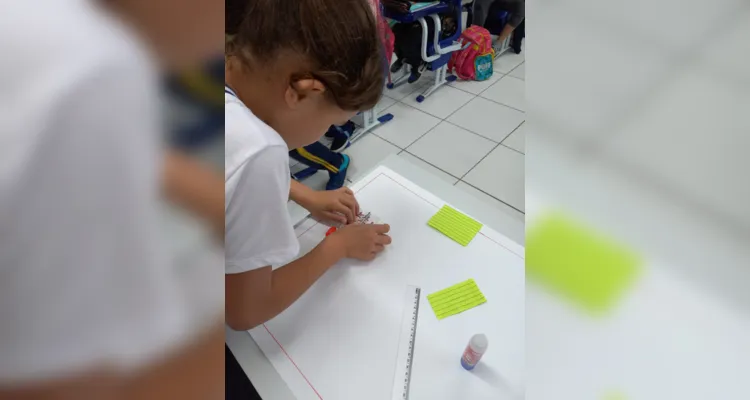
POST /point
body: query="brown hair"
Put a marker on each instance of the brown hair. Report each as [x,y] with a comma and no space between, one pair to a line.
[337,38]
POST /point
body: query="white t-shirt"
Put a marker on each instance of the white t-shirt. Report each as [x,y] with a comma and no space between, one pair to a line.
[259,230]
[85,278]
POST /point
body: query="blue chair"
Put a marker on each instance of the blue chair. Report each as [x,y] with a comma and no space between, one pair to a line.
[436,52]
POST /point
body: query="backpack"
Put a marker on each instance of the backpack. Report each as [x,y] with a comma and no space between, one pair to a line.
[474,60]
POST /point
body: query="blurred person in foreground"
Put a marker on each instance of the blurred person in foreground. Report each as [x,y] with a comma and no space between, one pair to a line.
[91,306]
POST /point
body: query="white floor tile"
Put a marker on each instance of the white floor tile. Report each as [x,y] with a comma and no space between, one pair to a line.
[407,125]
[517,139]
[491,201]
[366,153]
[506,62]
[476,87]
[429,168]
[501,174]
[405,89]
[509,91]
[442,102]
[384,103]
[452,149]
[489,119]
[519,72]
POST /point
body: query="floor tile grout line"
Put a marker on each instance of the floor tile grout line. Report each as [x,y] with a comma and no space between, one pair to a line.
[478,162]
[485,137]
[504,105]
[490,152]
[429,163]
[477,94]
[461,180]
[510,148]
[402,149]
[513,131]
[423,135]
[504,76]
[460,108]
[437,116]
[456,125]
[516,67]
[469,130]
[386,140]
[428,131]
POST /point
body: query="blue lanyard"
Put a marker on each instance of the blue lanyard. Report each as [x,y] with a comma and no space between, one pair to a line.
[230,92]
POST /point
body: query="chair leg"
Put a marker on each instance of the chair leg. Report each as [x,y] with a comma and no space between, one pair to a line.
[440,80]
[403,77]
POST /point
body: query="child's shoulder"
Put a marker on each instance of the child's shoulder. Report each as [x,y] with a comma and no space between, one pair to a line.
[247,137]
[243,127]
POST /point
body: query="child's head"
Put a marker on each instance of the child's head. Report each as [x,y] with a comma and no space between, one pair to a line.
[307,63]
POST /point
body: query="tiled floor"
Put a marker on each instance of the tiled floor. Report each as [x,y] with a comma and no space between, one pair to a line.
[471,134]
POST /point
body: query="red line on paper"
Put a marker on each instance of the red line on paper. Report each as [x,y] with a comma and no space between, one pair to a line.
[293,363]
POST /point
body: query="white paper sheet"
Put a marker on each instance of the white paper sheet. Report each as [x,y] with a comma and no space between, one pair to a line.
[339,340]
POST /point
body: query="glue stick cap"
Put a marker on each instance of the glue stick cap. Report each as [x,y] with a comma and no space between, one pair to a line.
[479,343]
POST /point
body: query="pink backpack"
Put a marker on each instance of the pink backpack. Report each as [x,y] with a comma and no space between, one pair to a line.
[386,34]
[474,60]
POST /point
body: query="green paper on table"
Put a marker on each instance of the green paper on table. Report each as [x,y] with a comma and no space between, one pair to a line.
[455,225]
[591,270]
[455,299]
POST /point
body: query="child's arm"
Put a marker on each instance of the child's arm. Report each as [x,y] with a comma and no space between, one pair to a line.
[332,205]
[195,187]
[254,297]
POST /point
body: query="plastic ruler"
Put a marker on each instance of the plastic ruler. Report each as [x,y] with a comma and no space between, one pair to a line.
[407,336]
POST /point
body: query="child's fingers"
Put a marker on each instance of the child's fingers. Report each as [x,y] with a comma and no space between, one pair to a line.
[350,203]
[335,217]
[342,208]
[383,240]
[382,228]
[355,203]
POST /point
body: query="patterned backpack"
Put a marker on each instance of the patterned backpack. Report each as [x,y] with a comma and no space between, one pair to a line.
[474,60]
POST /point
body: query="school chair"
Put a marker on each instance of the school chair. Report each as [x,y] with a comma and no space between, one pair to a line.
[435,52]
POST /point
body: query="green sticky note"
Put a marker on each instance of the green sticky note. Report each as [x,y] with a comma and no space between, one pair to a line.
[578,263]
[455,299]
[455,225]
[614,396]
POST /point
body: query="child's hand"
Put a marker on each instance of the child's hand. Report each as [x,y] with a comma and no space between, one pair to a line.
[362,242]
[338,206]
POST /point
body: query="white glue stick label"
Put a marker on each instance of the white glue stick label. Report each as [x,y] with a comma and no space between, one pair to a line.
[474,351]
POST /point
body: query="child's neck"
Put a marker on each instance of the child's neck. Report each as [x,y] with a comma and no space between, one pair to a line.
[252,92]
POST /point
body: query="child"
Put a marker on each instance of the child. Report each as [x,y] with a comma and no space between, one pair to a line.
[318,157]
[408,43]
[285,88]
[517,10]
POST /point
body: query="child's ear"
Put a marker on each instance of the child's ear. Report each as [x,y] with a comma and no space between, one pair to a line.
[302,89]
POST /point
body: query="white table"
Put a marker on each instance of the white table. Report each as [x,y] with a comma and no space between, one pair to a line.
[254,363]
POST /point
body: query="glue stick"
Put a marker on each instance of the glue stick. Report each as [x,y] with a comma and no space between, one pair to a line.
[474,351]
